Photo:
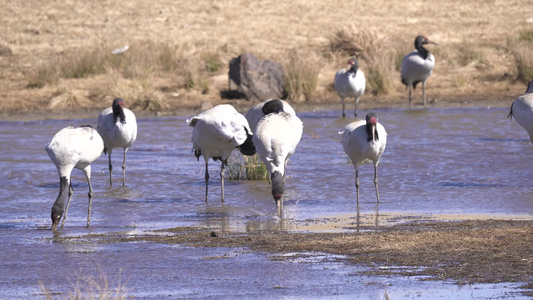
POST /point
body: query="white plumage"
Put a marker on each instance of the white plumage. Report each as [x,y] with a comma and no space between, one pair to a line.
[362,140]
[73,147]
[522,110]
[256,113]
[118,127]
[350,83]
[216,132]
[417,66]
[276,137]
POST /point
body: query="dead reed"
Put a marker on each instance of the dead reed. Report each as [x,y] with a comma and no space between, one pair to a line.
[301,75]
[246,168]
[523,56]
[370,47]
[91,288]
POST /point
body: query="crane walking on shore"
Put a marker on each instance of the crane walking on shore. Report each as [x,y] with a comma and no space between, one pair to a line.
[417,66]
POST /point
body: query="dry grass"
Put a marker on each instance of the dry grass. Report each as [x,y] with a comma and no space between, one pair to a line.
[301,75]
[180,51]
[91,288]
[246,168]
[467,251]
[523,54]
[373,49]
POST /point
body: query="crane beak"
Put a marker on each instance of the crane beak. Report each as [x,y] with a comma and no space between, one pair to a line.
[432,43]
[54,225]
[55,221]
[374,133]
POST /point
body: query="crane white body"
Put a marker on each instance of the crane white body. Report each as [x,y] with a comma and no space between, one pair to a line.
[361,145]
[255,114]
[522,110]
[417,67]
[117,132]
[216,133]
[73,147]
[276,137]
[350,82]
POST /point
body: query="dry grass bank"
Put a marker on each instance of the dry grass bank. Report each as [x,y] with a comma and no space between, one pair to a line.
[56,56]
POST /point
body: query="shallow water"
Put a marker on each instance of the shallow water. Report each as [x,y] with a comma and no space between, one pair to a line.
[453,162]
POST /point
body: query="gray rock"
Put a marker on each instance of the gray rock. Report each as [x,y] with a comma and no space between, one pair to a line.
[255,79]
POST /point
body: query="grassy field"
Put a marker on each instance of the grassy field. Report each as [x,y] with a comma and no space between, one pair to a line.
[56,56]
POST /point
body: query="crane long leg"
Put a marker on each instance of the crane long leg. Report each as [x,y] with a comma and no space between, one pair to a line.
[424,93]
[376,179]
[279,207]
[87,172]
[110,169]
[357,184]
[410,97]
[222,177]
[70,193]
[355,111]
[206,180]
[124,167]
[343,114]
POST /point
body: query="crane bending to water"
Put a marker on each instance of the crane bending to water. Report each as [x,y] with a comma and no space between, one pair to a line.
[73,147]
[216,132]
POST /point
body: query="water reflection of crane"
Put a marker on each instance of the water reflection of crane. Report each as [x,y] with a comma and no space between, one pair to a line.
[359,224]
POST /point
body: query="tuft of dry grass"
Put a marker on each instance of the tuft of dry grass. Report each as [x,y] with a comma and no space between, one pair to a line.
[91,288]
[301,75]
[246,168]
[212,61]
[374,49]
[527,36]
[524,61]
[355,40]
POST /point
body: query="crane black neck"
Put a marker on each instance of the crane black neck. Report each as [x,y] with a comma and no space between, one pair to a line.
[118,113]
[423,51]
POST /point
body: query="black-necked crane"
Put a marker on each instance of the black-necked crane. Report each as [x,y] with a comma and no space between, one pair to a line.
[417,66]
[73,147]
[276,137]
[362,140]
[258,111]
[350,82]
[118,127]
[522,110]
[216,133]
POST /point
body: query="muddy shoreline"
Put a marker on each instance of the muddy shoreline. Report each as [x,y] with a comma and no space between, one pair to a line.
[464,252]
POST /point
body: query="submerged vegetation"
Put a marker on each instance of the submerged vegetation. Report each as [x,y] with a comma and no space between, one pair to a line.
[88,287]
[242,167]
